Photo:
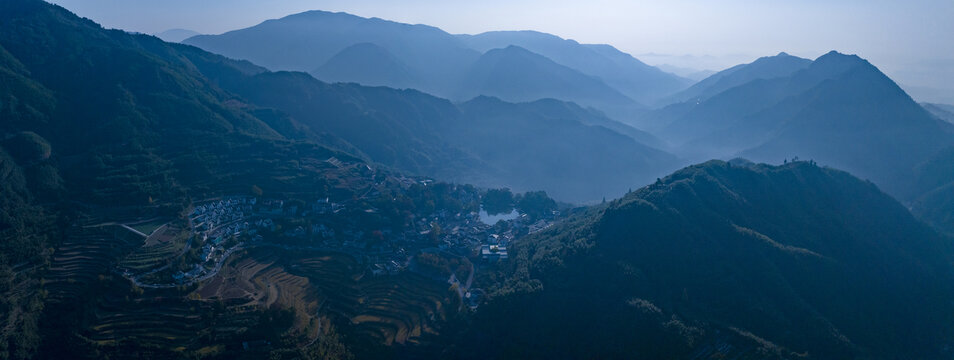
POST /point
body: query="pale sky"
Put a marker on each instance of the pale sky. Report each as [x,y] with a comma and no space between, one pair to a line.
[912,41]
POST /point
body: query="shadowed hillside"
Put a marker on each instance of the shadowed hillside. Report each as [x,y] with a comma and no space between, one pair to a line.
[742,261]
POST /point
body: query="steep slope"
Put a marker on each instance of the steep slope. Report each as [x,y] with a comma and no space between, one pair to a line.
[366,64]
[102,127]
[94,119]
[737,261]
[934,189]
[421,134]
[623,72]
[769,67]
[516,74]
[305,41]
[392,127]
[591,116]
[860,121]
[841,111]
[536,143]
[416,133]
[117,98]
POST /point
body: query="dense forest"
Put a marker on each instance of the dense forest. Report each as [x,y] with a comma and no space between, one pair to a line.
[746,260]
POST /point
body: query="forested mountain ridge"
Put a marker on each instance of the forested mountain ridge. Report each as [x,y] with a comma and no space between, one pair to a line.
[420,134]
[737,259]
[102,126]
[95,118]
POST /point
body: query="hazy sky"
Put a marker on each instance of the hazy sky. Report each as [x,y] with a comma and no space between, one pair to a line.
[910,40]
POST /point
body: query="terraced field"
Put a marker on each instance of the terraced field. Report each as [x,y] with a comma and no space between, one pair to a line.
[389,309]
[148,226]
[401,308]
[173,323]
[159,249]
[318,286]
[165,320]
[85,255]
[261,281]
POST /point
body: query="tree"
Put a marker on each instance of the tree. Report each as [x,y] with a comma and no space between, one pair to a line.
[536,204]
[435,234]
[498,201]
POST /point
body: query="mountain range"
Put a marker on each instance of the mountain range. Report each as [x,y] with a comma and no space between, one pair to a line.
[339,47]
[768,67]
[617,69]
[402,129]
[716,260]
[838,110]
[421,134]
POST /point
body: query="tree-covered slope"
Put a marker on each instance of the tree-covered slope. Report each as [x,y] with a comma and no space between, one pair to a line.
[95,118]
[421,134]
[744,260]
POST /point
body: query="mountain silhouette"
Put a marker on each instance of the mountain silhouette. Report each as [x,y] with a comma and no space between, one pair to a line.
[781,65]
[516,74]
[623,72]
[366,64]
[335,47]
[840,111]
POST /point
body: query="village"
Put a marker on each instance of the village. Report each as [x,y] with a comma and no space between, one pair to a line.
[222,226]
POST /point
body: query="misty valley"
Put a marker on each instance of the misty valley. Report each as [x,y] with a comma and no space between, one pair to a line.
[329,186]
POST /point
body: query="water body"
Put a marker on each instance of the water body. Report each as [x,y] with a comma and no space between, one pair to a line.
[493,219]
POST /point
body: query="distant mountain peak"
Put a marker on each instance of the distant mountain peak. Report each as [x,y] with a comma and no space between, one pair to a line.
[834,54]
[319,13]
[514,49]
[367,64]
[766,67]
[781,57]
[834,63]
[175,35]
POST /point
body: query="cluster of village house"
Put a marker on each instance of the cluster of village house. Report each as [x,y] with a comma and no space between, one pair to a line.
[461,234]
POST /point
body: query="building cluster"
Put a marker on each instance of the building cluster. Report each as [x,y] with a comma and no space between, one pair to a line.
[223,225]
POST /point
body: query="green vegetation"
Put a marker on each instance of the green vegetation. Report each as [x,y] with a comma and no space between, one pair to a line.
[149,226]
[103,127]
[536,204]
[771,261]
[439,264]
[934,199]
[497,201]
